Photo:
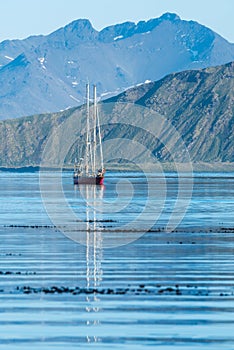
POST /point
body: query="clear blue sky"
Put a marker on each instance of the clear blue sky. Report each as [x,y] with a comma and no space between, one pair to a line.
[22,18]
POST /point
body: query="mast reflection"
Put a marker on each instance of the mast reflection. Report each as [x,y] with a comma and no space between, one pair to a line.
[93,196]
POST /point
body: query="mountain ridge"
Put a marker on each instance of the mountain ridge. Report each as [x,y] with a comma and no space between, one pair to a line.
[115,58]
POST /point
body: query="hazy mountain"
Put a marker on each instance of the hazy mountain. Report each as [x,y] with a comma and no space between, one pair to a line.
[48,73]
[199,103]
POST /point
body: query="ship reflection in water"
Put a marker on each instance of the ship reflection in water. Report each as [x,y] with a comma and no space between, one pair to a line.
[93,196]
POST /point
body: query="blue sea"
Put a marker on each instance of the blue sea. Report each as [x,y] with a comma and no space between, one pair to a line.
[144,262]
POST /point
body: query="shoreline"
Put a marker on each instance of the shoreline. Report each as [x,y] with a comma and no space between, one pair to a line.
[157,167]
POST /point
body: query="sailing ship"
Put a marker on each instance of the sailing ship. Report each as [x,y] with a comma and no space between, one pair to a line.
[86,170]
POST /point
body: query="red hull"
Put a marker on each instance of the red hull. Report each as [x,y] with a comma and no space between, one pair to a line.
[82,180]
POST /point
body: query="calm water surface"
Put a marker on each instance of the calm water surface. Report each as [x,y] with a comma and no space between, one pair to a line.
[166,290]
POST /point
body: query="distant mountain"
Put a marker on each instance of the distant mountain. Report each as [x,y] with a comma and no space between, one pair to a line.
[48,73]
[198,103]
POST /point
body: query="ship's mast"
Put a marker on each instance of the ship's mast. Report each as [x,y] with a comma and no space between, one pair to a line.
[91,137]
[87,144]
[94,126]
[100,139]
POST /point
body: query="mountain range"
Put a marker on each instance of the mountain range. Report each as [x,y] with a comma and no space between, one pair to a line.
[198,103]
[43,74]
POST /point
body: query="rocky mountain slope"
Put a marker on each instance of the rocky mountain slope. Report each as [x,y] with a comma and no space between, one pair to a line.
[44,74]
[198,103]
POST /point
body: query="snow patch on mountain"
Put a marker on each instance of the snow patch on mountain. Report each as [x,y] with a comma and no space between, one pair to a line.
[9,58]
[118,37]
